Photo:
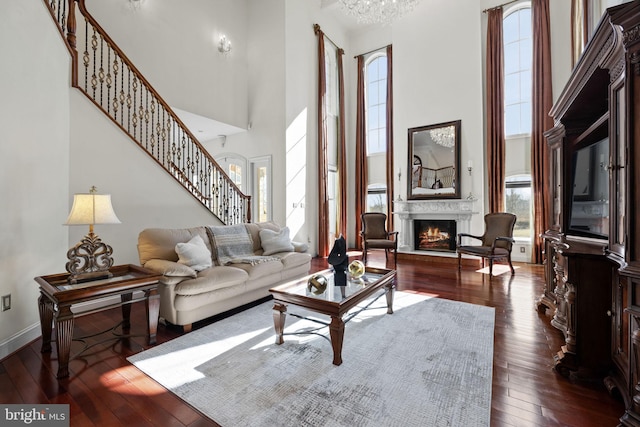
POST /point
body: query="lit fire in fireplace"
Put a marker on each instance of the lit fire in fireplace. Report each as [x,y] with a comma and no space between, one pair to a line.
[435,235]
[432,235]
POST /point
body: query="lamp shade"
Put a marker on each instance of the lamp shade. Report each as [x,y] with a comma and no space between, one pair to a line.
[89,209]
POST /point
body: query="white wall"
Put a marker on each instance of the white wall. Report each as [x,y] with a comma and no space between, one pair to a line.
[34,162]
[267,83]
[560,16]
[175,45]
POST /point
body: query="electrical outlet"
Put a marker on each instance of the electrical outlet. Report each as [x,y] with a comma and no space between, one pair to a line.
[522,249]
[6,302]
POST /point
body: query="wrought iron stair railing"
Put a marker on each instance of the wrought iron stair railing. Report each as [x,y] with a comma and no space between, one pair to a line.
[109,79]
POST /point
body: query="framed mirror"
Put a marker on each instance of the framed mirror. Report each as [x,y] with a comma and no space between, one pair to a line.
[434,161]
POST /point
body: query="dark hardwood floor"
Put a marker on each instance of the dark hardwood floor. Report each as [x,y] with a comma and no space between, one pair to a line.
[105,390]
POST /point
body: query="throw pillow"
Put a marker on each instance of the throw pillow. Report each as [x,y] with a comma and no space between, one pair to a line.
[194,254]
[275,241]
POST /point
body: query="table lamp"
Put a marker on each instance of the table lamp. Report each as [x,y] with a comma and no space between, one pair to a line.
[90,259]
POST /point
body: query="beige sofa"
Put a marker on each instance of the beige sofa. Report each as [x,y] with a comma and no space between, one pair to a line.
[189,293]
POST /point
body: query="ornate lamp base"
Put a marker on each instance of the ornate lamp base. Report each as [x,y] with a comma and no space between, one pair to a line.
[89,260]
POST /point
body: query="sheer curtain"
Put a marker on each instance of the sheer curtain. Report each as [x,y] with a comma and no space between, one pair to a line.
[323,200]
[495,111]
[342,152]
[389,162]
[542,101]
[327,105]
[361,153]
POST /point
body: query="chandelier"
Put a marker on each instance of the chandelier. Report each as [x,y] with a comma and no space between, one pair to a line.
[378,11]
[443,136]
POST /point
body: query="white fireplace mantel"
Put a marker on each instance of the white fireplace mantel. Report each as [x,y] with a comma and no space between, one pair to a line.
[407,211]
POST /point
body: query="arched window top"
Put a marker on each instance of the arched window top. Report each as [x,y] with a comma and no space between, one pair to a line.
[514,7]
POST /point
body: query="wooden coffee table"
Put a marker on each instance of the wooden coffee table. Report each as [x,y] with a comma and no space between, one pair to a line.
[335,301]
[57,296]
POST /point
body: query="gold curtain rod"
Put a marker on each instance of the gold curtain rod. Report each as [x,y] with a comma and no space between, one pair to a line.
[499,6]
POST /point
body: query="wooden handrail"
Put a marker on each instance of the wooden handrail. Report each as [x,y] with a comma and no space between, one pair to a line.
[149,121]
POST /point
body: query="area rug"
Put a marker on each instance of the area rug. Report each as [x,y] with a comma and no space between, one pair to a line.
[427,364]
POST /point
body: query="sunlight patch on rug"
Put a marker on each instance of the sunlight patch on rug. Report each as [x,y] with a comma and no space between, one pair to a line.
[180,366]
[429,363]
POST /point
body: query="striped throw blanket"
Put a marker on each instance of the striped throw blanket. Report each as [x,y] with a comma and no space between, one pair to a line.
[232,244]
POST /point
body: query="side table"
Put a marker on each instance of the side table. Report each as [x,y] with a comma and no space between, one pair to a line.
[57,296]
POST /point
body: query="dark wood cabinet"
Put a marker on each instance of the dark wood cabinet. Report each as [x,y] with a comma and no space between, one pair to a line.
[592,247]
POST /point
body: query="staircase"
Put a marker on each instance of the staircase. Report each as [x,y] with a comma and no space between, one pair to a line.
[109,79]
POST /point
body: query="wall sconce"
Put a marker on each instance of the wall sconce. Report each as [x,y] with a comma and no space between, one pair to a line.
[470,169]
[225,45]
[90,259]
[135,4]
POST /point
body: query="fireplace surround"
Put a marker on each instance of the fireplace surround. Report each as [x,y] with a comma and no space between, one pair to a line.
[408,212]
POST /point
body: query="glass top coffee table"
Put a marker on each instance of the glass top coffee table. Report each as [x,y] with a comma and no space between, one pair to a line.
[334,300]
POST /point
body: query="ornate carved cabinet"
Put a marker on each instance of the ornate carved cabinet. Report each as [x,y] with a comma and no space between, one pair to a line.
[592,246]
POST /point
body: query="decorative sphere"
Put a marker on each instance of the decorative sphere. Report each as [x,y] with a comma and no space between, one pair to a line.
[317,284]
[356,269]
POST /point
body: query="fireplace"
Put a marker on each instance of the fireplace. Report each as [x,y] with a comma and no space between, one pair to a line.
[434,235]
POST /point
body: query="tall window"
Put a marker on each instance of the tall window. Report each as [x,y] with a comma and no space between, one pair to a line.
[261,188]
[235,173]
[376,124]
[234,165]
[518,58]
[376,96]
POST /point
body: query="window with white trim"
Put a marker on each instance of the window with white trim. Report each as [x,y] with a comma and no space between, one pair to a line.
[518,58]
[376,125]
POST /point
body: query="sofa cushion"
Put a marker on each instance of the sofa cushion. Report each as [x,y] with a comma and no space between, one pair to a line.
[300,246]
[254,229]
[293,259]
[261,269]
[160,243]
[212,279]
[170,268]
[194,302]
[275,241]
[194,254]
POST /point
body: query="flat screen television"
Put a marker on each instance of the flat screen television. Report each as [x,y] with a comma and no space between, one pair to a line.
[590,191]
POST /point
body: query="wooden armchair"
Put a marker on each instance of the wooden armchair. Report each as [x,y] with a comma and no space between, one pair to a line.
[497,240]
[375,236]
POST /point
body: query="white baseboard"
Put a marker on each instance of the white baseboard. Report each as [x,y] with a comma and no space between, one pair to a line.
[33,332]
[19,340]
